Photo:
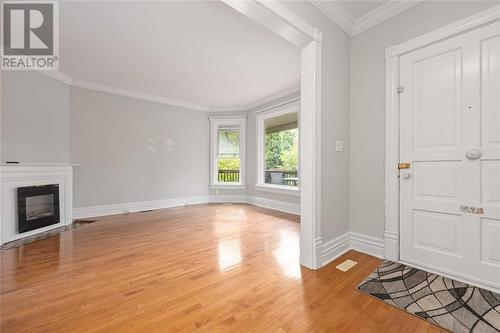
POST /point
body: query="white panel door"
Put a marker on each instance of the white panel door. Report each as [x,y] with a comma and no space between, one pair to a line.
[450,135]
[489,163]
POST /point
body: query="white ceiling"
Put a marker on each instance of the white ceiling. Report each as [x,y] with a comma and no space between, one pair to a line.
[198,53]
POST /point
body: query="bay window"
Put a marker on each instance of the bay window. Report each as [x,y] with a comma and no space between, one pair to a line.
[278,150]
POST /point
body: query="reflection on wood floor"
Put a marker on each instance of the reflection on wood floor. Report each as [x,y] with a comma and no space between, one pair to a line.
[231,268]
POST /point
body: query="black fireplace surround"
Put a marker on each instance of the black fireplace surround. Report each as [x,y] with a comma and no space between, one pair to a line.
[37,206]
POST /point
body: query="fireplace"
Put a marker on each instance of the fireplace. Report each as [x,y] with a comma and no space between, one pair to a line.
[38,206]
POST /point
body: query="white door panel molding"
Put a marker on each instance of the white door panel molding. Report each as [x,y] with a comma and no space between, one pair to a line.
[443,118]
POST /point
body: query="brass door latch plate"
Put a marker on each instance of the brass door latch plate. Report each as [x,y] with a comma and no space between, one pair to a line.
[471,210]
[404,165]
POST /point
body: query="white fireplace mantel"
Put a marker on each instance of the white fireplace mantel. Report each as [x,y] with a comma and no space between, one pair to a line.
[13,176]
[3,164]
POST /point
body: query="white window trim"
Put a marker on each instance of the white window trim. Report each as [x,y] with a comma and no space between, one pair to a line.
[261,117]
[215,123]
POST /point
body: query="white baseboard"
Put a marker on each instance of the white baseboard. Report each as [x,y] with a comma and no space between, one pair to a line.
[367,244]
[287,207]
[224,198]
[333,249]
[336,247]
[130,207]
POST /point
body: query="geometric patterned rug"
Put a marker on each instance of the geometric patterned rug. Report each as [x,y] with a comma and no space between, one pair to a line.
[452,305]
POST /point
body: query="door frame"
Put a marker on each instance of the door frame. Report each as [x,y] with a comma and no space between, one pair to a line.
[392,139]
[286,24]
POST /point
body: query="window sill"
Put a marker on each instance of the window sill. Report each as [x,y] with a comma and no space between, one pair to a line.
[227,187]
[288,190]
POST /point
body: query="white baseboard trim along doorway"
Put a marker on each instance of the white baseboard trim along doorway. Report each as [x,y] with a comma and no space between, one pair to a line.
[331,250]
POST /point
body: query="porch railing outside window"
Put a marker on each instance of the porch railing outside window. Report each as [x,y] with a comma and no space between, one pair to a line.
[277,177]
[282,177]
[229,176]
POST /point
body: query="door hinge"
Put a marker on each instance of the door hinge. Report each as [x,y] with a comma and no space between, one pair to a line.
[404,165]
[401,90]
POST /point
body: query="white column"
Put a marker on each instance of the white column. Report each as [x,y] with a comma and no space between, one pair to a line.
[310,154]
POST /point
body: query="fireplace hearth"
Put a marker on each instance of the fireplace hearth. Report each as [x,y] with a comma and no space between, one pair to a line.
[38,206]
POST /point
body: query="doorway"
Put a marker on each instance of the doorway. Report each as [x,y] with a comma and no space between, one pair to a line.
[277,18]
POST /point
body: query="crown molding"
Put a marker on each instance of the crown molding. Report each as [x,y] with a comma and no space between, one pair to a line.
[271,98]
[234,108]
[337,13]
[260,102]
[137,94]
[381,14]
[340,16]
[57,75]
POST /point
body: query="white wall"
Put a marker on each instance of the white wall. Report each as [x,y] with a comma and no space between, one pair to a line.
[366,199]
[35,118]
[335,106]
[132,150]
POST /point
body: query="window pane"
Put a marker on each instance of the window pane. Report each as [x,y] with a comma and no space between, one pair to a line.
[281,150]
[229,142]
[228,158]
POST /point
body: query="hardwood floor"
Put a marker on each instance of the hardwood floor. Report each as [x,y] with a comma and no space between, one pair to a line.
[207,268]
